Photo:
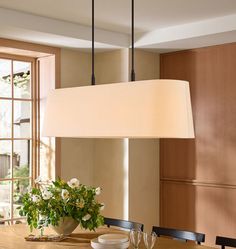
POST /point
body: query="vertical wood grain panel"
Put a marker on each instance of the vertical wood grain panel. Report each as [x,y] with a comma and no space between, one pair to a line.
[206,209]
[210,158]
[178,199]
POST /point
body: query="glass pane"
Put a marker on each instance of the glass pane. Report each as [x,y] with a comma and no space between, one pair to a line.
[5,78]
[5,159]
[22,79]
[22,114]
[5,118]
[5,197]
[20,188]
[21,158]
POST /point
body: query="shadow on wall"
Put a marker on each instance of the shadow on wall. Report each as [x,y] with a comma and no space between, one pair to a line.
[111,174]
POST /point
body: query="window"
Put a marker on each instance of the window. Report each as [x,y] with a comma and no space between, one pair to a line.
[17,133]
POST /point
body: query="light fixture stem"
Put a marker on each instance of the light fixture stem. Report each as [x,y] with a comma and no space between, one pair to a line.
[132,31]
[93,74]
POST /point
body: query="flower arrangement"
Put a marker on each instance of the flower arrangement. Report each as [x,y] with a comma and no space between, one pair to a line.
[52,200]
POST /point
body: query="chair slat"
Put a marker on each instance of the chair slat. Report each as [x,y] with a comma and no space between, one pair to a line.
[122,223]
[179,234]
[225,241]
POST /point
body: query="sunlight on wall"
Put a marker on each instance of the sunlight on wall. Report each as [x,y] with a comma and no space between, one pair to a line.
[47,145]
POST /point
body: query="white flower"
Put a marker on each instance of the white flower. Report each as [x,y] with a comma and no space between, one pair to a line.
[42,217]
[102,207]
[35,198]
[73,183]
[98,191]
[86,217]
[46,194]
[64,194]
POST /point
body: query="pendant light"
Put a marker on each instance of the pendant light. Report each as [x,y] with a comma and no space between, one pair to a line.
[136,109]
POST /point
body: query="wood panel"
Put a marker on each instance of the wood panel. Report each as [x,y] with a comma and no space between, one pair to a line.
[209,159]
[177,206]
[205,209]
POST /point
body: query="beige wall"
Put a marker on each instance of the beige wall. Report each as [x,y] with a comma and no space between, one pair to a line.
[75,68]
[112,66]
[147,65]
[76,154]
[111,173]
[144,181]
[77,158]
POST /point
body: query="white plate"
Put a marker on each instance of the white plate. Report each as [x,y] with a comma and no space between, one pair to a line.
[96,245]
[112,238]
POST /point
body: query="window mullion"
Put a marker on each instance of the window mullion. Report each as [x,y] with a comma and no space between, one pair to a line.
[35,122]
[32,160]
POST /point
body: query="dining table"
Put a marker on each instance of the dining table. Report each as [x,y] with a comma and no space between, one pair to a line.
[13,237]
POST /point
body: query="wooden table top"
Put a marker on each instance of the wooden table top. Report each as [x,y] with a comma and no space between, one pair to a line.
[12,237]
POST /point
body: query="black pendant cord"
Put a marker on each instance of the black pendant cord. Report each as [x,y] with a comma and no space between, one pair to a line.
[132,31]
[93,74]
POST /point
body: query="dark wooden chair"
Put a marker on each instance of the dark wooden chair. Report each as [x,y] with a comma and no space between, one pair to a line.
[179,234]
[224,241]
[122,223]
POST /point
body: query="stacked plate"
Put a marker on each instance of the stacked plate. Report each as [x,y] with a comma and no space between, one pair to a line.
[111,241]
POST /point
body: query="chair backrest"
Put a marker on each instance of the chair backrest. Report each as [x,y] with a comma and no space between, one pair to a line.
[122,223]
[224,241]
[179,234]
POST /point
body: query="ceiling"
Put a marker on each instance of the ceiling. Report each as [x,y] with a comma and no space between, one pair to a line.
[114,15]
[67,23]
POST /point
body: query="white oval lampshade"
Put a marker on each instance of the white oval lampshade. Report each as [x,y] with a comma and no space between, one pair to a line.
[140,109]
